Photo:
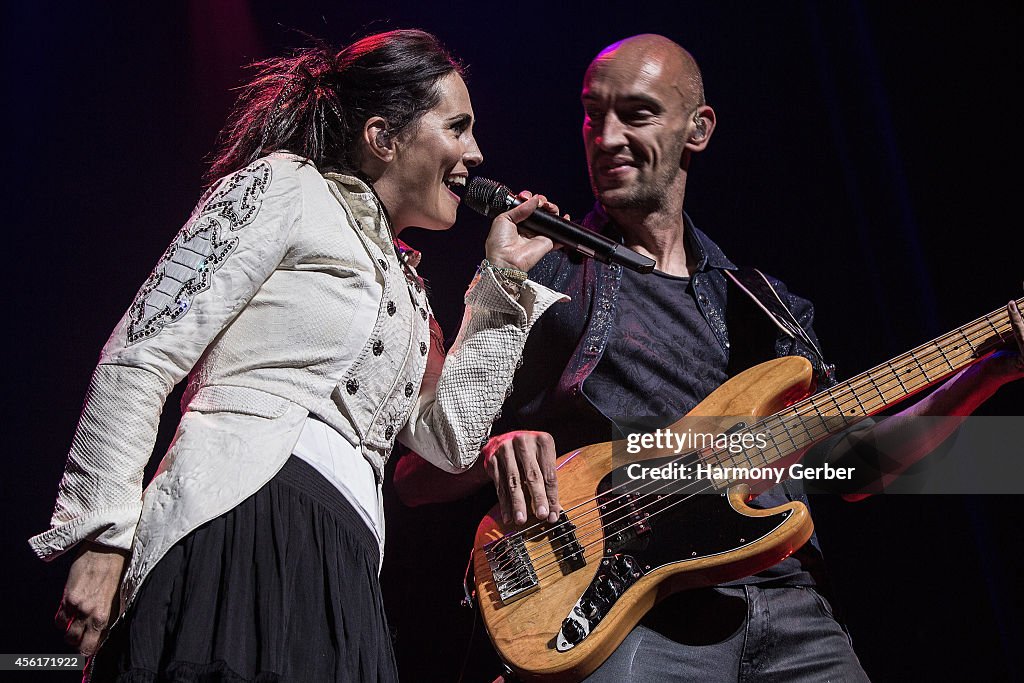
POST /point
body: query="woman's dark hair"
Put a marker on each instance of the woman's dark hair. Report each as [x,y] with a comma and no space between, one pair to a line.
[315,103]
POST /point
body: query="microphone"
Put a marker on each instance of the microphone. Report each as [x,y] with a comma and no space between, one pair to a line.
[492,198]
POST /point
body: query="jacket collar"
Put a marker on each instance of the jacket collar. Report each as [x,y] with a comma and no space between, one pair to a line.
[368,212]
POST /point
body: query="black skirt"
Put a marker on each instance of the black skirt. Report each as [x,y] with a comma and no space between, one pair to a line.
[281,588]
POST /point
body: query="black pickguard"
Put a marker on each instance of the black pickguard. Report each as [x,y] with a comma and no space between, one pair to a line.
[649,524]
[665,521]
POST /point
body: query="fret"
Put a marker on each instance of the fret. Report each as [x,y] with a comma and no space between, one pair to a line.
[746,456]
[897,376]
[994,328]
[858,391]
[974,350]
[913,356]
[772,446]
[856,398]
[734,459]
[839,413]
[753,452]
[811,431]
[716,457]
[806,433]
[926,360]
[909,371]
[913,378]
[881,397]
[789,436]
[944,356]
[726,458]
[764,458]
[831,397]
[818,412]
[837,423]
[839,406]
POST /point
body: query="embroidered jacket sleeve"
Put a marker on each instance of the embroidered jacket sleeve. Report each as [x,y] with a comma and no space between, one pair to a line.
[233,241]
[462,392]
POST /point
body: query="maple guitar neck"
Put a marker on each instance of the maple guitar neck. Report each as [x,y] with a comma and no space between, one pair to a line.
[817,417]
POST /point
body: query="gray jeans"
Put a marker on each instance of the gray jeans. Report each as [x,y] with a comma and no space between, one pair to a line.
[740,633]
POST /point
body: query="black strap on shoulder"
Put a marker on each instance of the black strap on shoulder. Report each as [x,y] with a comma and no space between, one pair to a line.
[760,290]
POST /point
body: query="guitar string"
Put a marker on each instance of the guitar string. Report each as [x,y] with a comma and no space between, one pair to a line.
[639,488]
[851,382]
[628,514]
[598,543]
[935,354]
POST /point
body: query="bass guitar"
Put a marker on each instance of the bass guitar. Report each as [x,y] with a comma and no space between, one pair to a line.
[558,598]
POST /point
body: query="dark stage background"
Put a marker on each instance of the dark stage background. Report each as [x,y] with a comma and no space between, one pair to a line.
[866,152]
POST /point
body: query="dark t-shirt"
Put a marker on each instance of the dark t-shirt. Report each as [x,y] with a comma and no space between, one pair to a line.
[662,359]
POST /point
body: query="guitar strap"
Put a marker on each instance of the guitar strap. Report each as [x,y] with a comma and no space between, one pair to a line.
[760,290]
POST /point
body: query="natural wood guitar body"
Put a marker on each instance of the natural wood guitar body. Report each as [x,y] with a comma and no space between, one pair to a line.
[558,598]
[524,631]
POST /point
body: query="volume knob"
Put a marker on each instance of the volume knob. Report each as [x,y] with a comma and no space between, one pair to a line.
[608,588]
[624,566]
[573,630]
[593,608]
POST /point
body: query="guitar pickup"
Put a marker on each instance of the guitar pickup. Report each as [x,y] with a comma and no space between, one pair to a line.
[511,567]
[565,545]
[625,522]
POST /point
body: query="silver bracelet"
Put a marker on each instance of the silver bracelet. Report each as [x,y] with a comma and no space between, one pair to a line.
[512,276]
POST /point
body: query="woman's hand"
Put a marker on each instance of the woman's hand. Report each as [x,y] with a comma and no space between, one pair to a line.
[90,598]
[508,245]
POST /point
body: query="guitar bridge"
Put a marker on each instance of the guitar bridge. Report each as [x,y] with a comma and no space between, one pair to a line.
[511,568]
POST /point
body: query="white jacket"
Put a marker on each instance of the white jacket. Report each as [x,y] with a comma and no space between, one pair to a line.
[252,298]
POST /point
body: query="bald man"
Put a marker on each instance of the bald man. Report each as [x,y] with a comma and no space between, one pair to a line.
[639,351]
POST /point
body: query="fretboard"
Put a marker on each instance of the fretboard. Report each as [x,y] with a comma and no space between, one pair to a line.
[817,417]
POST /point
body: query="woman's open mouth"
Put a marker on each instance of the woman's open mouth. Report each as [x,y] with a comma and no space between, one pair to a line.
[456,185]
